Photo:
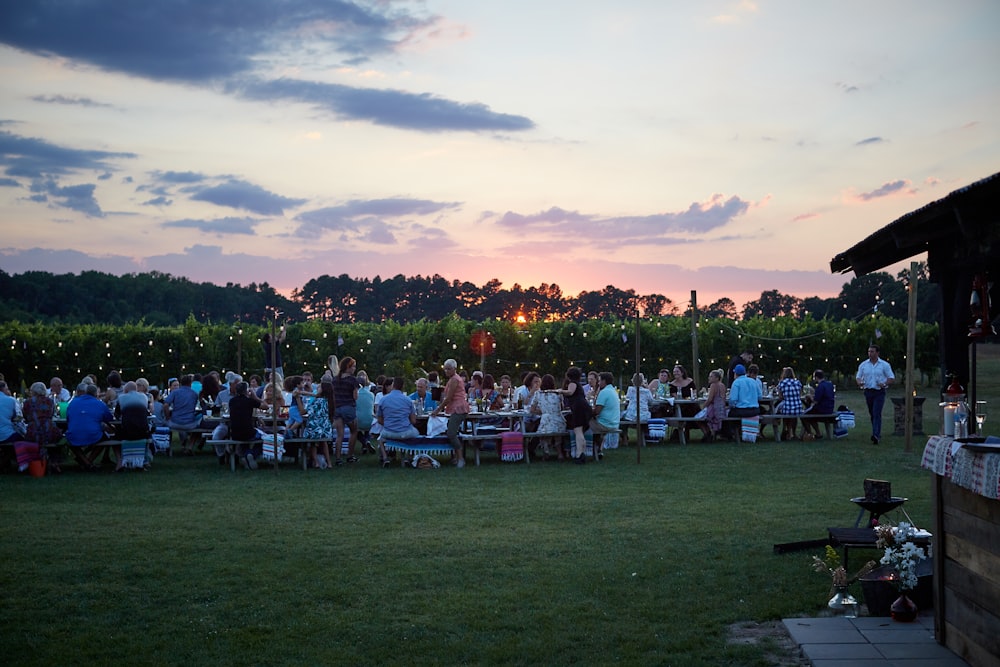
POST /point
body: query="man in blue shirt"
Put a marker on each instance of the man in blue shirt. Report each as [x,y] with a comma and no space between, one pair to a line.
[85,418]
[397,416]
[423,396]
[181,409]
[744,395]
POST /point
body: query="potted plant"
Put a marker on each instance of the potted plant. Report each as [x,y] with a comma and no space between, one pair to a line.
[903,556]
[841,599]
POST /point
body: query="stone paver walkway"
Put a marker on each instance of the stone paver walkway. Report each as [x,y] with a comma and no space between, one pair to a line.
[870,641]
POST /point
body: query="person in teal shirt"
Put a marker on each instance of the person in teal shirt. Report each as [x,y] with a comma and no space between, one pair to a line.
[607,411]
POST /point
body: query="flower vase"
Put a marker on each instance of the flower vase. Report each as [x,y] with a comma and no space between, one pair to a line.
[843,601]
[903,609]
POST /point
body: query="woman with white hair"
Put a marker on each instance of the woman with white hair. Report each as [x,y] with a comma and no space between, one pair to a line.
[39,412]
[642,404]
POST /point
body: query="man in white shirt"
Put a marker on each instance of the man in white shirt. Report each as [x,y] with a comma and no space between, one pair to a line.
[874,376]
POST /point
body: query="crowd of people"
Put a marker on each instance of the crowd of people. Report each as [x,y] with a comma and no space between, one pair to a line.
[346,409]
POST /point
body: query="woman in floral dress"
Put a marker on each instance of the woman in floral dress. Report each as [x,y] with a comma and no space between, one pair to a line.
[318,425]
[715,406]
[548,405]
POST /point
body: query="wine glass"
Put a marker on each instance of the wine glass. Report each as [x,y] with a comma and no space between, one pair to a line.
[980,416]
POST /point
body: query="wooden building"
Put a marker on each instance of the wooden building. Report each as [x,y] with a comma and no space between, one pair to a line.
[961,235]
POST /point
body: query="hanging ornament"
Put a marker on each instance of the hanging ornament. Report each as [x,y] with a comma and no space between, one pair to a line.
[979,304]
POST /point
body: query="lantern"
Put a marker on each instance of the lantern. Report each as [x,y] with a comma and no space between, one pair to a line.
[954,410]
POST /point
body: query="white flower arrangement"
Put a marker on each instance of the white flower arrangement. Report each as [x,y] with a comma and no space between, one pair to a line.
[901,553]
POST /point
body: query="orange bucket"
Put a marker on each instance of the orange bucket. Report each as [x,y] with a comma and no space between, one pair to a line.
[36,468]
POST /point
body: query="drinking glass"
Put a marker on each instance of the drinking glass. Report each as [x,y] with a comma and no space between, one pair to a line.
[980,416]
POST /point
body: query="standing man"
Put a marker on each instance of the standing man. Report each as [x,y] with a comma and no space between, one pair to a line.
[874,376]
[744,358]
[456,404]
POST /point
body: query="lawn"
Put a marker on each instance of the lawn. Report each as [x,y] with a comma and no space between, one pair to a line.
[502,564]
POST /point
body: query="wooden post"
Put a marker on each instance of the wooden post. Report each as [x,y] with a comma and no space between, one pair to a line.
[694,338]
[637,382]
[911,347]
[274,391]
[239,351]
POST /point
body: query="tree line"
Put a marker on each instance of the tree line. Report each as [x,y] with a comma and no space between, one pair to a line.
[36,352]
[161,299]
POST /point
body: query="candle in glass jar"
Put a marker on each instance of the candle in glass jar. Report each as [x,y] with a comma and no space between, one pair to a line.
[949,420]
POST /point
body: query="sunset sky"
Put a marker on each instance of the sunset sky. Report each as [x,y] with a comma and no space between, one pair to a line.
[662,146]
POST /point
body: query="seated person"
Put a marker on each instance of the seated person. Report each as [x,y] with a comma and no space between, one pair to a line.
[180,408]
[293,387]
[397,416]
[524,395]
[86,418]
[822,402]
[423,397]
[242,422]
[364,408]
[607,411]
[744,395]
[134,408]
[715,406]
[790,390]
[156,408]
[660,387]
[682,386]
[8,432]
[548,406]
[641,404]
[39,412]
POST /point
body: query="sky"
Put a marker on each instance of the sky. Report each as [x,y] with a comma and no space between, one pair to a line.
[662,146]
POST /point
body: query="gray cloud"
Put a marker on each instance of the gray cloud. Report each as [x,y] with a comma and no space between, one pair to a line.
[870,140]
[395,108]
[364,218]
[246,196]
[36,158]
[219,226]
[75,197]
[885,190]
[9,182]
[158,201]
[68,100]
[198,41]
[205,43]
[657,228]
[179,176]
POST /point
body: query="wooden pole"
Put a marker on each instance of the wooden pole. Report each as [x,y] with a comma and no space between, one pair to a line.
[694,338]
[274,391]
[911,347]
[637,382]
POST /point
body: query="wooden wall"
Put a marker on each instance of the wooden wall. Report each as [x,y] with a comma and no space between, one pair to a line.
[967,573]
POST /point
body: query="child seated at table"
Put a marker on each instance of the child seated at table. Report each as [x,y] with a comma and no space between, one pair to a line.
[293,425]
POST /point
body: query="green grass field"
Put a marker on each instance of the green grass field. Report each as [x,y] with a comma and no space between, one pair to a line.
[503,564]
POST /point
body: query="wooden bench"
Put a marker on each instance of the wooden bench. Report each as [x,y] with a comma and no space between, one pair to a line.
[430,445]
[569,436]
[828,421]
[774,421]
[230,448]
[303,445]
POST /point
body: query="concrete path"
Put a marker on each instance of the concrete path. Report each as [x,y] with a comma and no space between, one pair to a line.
[870,641]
